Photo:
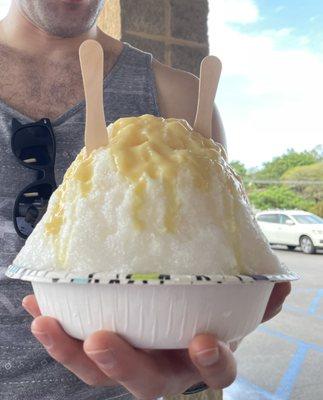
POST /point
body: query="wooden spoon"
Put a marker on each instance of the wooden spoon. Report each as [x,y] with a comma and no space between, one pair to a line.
[91,59]
[209,79]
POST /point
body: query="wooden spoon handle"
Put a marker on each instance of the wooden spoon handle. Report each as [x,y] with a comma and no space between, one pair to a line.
[91,59]
[209,79]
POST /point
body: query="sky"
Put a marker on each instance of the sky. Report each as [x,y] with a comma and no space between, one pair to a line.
[271,89]
[4,7]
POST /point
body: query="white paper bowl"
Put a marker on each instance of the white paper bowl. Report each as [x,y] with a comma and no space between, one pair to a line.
[153,311]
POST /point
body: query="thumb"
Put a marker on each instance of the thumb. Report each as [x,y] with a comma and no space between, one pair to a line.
[214,360]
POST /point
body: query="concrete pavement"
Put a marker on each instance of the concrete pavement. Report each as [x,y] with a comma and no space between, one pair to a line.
[283,359]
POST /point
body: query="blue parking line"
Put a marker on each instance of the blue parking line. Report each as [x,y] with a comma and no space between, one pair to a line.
[302,311]
[300,289]
[290,339]
[246,389]
[287,382]
[312,309]
[284,391]
[298,310]
[242,389]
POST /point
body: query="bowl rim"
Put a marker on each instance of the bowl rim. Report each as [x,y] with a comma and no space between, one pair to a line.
[106,278]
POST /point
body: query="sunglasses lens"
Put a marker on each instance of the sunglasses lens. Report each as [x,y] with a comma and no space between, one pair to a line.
[30,206]
[34,146]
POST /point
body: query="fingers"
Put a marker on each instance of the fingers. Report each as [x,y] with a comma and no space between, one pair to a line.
[30,304]
[137,370]
[68,351]
[214,360]
[234,345]
[105,359]
[276,300]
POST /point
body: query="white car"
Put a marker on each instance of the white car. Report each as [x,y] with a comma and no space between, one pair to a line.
[292,228]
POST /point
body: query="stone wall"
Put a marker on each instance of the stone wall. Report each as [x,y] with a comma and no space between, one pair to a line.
[174,31]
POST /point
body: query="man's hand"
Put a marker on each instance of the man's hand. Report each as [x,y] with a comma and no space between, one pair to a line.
[105,359]
[276,300]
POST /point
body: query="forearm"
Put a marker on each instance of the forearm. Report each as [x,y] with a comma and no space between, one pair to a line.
[218,129]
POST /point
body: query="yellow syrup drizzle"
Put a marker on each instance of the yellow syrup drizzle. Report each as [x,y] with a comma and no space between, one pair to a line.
[83,174]
[145,147]
[81,171]
[56,219]
[157,148]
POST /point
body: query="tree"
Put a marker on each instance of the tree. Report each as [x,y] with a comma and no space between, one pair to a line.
[279,165]
[239,168]
[313,172]
[318,209]
[278,197]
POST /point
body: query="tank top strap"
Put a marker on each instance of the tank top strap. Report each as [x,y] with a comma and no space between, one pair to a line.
[130,87]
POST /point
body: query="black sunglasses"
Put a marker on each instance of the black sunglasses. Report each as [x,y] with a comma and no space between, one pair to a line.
[35,147]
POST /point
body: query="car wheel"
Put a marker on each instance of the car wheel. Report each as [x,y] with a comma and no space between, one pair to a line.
[307,245]
[291,247]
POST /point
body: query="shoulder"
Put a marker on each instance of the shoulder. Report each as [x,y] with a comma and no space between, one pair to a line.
[177,92]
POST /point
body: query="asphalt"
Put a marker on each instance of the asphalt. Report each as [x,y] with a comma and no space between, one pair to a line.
[283,359]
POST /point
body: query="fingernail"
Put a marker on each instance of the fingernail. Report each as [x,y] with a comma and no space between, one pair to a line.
[208,357]
[103,357]
[43,338]
[26,307]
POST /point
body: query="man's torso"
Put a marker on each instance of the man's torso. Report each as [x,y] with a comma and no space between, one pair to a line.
[26,371]
[44,86]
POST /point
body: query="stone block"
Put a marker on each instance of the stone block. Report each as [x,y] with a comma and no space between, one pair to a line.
[187,58]
[189,20]
[156,48]
[143,16]
[110,18]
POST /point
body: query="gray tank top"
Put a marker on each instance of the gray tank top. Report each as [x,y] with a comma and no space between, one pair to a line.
[26,370]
